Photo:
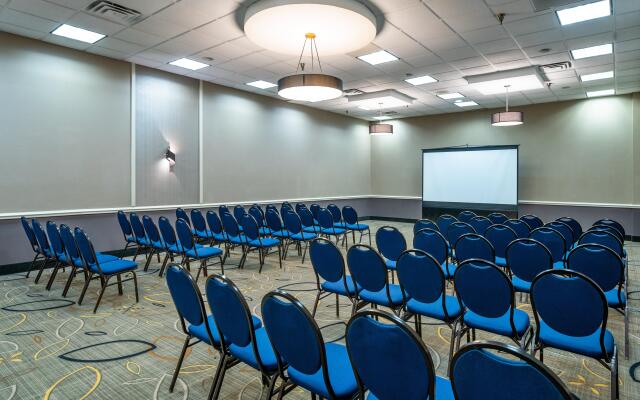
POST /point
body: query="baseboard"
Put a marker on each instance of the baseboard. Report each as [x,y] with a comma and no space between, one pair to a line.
[389,219]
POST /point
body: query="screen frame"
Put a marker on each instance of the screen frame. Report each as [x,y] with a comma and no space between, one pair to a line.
[471,206]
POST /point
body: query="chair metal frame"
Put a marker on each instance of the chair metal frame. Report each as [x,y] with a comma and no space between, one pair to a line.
[31,236]
[203,261]
[363,232]
[263,251]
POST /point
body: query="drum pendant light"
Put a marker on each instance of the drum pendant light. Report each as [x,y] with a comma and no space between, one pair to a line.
[507,118]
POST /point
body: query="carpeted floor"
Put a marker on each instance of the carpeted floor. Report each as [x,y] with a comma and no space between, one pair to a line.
[52,348]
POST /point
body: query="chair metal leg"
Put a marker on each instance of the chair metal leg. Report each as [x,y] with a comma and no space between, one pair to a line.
[315,304]
[54,272]
[626,330]
[135,255]
[119,284]
[280,257]
[87,279]
[272,385]
[179,365]
[218,384]
[32,264]
[135,285]
[337,306]
[306,247]
[146,264]
[104,287]
[216,376]
[42,267]
[164,265]
[72,275]
[221,264]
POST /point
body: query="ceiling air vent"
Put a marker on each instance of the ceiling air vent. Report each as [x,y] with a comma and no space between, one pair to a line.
[559,66]
[390,112]
[114,12]
[542,5]
[352,92]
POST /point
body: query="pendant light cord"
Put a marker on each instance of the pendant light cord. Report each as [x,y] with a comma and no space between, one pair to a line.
[507,87]
[317,55]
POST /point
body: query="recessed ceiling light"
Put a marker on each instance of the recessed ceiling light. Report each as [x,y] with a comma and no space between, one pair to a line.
[585,12]
[592,51]
[595,77]
[189,64]
[378,57]
[450,96]
[382,117]
[465,103]
[380,100]
[75,33]
[421,80]
[598,93]
[262,84]
[517,80]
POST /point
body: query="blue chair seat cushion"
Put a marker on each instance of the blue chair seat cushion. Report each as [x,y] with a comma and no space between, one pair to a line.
[143,242]
[341,377]
[501,261]
[240,239]
[443,390]
[246,354]
[558,265]
[130,239]
[390,264]
[200,331]
[102,258]
[586,345]
[338,286]
[520,285]
[206,234]
[204,252]
[499,325]
[264,231]
[219,237]
[115,266]
[280,234]
[333,231]
[303,236]
[264,242]
[341,224]
[435,309]
[358,227]
[177,248]
[311,229]
[615,301]
[449,270]
[380,297]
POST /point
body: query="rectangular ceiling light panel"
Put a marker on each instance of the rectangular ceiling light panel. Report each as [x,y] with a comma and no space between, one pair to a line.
[75,33]
[517,80]
[592,51]
[380,100]
[584,12]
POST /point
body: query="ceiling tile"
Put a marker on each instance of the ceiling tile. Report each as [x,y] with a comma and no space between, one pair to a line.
[86,21]
[17,30]
[628,45]
[42,9]
[496,46]
[118,45]
[187,44]
[222,29]
[505,56]
[138,37]
[539,38]
[537,23]
[27,21]
[625,6]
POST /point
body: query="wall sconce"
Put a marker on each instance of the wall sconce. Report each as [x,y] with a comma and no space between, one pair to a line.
[379,129]
[170,156]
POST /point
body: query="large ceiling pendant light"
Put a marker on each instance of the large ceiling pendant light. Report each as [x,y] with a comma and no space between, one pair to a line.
[507,118]
[311,87]
[379,128]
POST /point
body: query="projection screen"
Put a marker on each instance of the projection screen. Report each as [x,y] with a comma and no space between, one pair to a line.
[474,178]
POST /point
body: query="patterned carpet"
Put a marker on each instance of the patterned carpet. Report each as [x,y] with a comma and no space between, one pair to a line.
[51,348]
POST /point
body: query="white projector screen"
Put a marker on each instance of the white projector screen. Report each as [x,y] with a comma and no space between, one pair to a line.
[481,178]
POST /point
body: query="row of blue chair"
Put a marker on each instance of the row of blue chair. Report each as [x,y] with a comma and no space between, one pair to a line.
[382,356]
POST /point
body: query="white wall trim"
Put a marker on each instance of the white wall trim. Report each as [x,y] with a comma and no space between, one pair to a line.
[133,134]
[200,143]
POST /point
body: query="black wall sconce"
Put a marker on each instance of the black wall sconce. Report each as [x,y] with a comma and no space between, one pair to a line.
[170,156]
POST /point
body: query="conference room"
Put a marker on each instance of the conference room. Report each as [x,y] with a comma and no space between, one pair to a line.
[325,199]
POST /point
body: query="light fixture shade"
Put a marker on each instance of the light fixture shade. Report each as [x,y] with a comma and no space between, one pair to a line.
[310,87]
[507,118]
[378,129]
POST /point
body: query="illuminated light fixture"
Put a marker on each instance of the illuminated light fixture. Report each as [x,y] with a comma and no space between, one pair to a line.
[189,64]
[597,76]
[72,32]
[380,100]
[310,87]
[170,156]
[520,79]
[380,129]
[378,57]
[276,25]
[507,118]
[592,51]
[450,96]
[469,103]
[598,93]
[382,117]
[421,80]
[584,12]
[262,84]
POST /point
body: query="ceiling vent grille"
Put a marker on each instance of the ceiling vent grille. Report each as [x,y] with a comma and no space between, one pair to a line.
[559,66]
[114,12]
[352,92]
[542,5]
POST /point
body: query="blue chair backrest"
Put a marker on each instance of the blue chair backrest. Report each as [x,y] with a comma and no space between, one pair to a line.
[273,220]
[390,242]
[258,215]
[604,238]
[610,222]
[304,350]
[185,294]
[533,221]
[389,358]
[350,215]
[569,303]
[487,370]
[182,214]
[54,239]
[215,225]
[250,227]
[497,218]
[286,207]
[41,237]
[367,267]
[30,235]
[565,230]
[424,224]
[599,263]
[519,227]
[325,218]
[138,228]
[326,259]
[433,243]
[86,249]
[474,279]
[168,234]
[230,225]
[420,276]
[335,212]
[223,210]
[69,241]
[239,212]
[444,221]
[198,221]
[314,210]
[552,239]
[526,258]
[472,245]
[125,225]
[292,223]
[300,206]
[480,224]
[500,236]
[306,218]
[152,231]
[574,225]
[610,229]
[466,216]
[272,207]
[184,234]
[230,311]
[457,229]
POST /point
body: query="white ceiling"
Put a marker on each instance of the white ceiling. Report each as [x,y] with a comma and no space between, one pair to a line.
[447,39]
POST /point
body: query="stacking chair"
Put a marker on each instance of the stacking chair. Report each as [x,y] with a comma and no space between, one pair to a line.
[328,264]
[480,224]
[497,313]
[300,206]
[57,251]
[497,218]
[571,314]
[323,368]
[104,271]
[457,229]
[444,221]
[142,241]
[191,252]
[239,212]
[328,228]
[240,340]
[215,227]
[473,246]
[31,237]
[369,271]
[156,243]
[275,225]
[500,236]
[350,216]
[255,242]
[200,227]
[391,361]
[554,241]
[605,238]
[434,243]
[182,214]
[45,247]
[519,227]
[497,371]
[566,232]
[172,245]
[233,236]
[606,268]
[424,224]
[314,210]
[573,224]
[127,232]
[297,235]
[286,207]
[466,216]
[223,210]
[309,224]
[615,224]
[526,258]
[194,321]
[391,244]
[608,228]
[337,216]
[533,221]
[424,292]
[271,207]
[256,212]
